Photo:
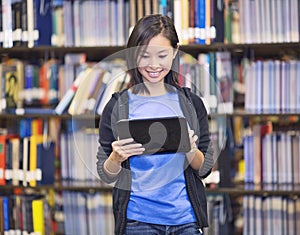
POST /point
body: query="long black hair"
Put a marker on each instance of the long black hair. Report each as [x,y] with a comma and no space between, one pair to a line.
[145,29]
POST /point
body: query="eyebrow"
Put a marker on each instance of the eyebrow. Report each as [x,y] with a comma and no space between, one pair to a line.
[164,50]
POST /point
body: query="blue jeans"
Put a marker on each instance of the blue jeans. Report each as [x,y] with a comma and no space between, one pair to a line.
[137,228]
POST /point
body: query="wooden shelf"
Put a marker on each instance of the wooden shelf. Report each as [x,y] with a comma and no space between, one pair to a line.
[258,192]
[271,50]
[243,113]
[290,190]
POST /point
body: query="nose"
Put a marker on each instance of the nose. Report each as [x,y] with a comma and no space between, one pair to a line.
[154,63]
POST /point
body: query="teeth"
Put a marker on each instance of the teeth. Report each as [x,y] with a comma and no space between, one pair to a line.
[154,74]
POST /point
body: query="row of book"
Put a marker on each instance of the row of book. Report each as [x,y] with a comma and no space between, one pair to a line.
[272,86]
[27,84]
[25,214]
[271,215]
[272,157]
[86,213]
[219,215]
[264,85]
[78,156]
[77,23]
[265,21]
[27,158]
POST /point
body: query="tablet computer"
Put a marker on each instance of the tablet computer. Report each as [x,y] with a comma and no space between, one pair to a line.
[157,135]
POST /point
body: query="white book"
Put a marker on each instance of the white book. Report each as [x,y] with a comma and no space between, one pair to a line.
[275,158]
[267,158]
[292,85]
[265,85]
[25,160]
[15,160]
[121,26]
[248,38]
[246,214]
[273,13]
[117,77]
[282,177]
[297,214]
[77,15]
[286,13]
[267,216]
[251,206]
[262,22]
[277,78]
[178,19]
[289,158]
[81,91]
[255,24]
[297,85]
[294,14]
[68,23]
[258,216]
[284,86]
[7,23]
[258,88]
[277,214]
[279,21]
[272,86]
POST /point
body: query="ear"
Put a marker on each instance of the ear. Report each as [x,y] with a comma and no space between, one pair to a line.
[176,51]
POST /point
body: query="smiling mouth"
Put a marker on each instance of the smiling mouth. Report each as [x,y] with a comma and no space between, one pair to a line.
[154,74]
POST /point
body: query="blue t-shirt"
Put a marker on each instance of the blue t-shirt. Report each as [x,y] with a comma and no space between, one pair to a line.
[158,192]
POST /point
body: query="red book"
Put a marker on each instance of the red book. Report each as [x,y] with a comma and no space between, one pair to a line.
[3,140]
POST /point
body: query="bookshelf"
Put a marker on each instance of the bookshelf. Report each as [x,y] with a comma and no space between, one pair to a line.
[246,200]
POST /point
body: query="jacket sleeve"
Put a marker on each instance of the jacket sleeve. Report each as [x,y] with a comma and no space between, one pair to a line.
[204,143]
[106,137]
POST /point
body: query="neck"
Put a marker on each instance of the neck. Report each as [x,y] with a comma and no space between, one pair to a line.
[156,89]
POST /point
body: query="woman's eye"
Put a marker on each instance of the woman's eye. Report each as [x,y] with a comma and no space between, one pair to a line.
[144,56]
[163,56]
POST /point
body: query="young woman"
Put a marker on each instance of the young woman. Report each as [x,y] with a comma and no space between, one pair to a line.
[155,193]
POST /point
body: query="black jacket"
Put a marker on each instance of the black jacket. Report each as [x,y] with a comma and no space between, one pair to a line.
[196,115]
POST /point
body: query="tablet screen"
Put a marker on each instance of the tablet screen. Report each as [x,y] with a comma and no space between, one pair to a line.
[157,135]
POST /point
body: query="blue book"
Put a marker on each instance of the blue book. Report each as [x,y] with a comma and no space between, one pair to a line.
[5,205]
[39,22]
[46,163]
[200,22]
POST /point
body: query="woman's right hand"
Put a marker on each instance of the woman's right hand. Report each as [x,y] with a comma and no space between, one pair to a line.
[125,148]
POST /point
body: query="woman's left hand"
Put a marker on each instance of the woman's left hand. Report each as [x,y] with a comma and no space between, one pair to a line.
[193,139]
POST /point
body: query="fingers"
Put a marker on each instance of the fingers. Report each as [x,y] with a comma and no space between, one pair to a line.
[193,139]
[125,148]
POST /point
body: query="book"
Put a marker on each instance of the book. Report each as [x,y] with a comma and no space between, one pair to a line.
[80,91]
[66,100]
[57,13]
[16,8]
[15,142]
[45,163]
[1,216]
[13,82]
[117,78]
[26,159]
[259,131]
[35,140]
[95,91]
[7,26]
[5,165]
[38,216]
[39,22]
[6,212]
[68,23]
[200,19]
[48,82]
[2,159]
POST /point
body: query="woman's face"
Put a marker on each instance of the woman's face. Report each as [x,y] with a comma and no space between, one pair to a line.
[156,60]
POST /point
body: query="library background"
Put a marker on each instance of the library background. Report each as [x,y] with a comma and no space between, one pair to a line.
[60,63]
